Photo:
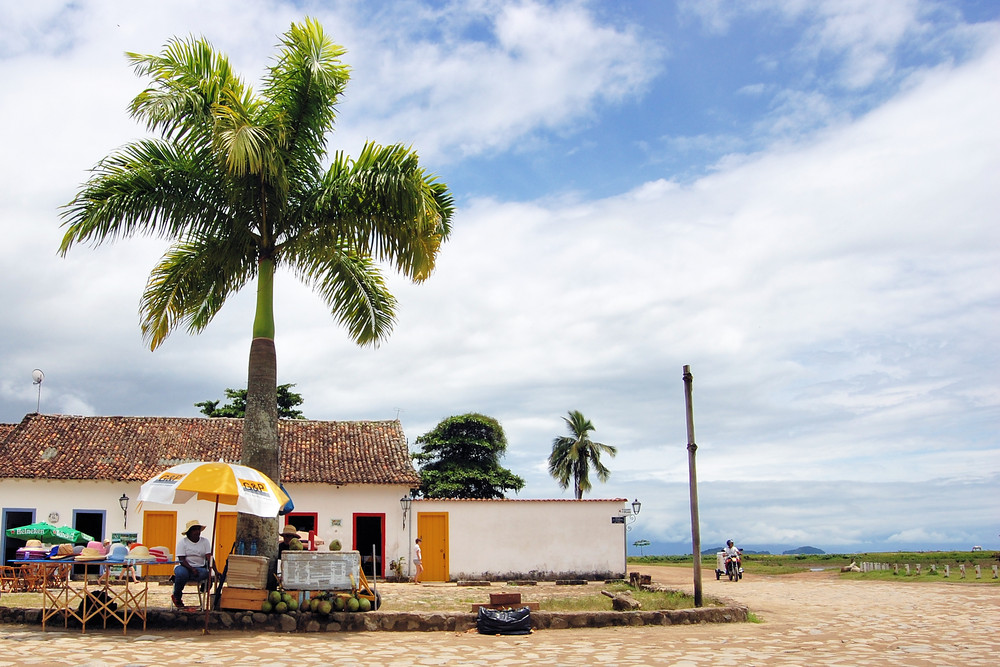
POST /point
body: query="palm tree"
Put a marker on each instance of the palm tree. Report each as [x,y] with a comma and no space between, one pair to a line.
[236,183]
[573,455]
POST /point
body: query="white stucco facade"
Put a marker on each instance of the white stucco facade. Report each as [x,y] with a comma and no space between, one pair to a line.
[523,539]
[474,539]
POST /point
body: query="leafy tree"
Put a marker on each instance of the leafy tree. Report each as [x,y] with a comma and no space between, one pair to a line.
[641,544]
[237,405]
[460,458]
[236,182]
[573,455]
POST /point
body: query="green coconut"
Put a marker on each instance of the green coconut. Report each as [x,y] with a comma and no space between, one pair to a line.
[364,604]
[266,607]
[274,597]
[292,604]
[281,607]
[339,603]
[353,604]
[325,607]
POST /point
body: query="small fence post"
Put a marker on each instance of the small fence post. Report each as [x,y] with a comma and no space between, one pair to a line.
[961,568]
[979,573]
[947,571]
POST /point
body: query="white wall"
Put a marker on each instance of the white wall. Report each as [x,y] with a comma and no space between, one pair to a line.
[488,539]
[329,502]
[530,539]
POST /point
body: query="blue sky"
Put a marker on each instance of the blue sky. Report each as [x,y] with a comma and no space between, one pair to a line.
[798,199]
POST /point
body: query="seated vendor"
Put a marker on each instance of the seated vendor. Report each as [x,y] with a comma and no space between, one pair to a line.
[195,555]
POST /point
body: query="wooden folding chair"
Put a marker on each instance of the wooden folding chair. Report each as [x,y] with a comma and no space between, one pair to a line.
[10,579]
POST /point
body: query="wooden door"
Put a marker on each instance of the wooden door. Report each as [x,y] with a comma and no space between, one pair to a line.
[432,528]
[159,529]
[225,535]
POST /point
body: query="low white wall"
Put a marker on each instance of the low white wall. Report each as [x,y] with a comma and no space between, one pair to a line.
[531,539]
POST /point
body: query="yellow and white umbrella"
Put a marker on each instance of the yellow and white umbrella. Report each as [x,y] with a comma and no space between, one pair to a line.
[251,491]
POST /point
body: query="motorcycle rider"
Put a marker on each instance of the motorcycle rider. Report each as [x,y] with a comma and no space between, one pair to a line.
[732,555]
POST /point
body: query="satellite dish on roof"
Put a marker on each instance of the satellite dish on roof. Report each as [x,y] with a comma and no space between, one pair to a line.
[36,378]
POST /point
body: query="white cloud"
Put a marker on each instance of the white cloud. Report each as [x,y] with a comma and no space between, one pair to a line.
[535,67]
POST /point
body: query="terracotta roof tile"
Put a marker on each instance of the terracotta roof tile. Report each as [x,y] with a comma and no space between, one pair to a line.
[137,448]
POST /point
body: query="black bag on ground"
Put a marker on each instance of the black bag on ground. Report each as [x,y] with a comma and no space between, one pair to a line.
[504,621]
[97,598]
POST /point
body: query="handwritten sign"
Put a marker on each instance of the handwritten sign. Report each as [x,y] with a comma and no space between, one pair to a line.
[320,570]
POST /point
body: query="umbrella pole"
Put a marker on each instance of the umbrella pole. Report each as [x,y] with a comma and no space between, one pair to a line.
[211,565]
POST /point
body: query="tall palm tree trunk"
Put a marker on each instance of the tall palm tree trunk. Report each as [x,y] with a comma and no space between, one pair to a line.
[260,425]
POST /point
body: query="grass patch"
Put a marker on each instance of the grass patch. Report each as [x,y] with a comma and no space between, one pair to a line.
[650,600]
[778,564]
[754,618]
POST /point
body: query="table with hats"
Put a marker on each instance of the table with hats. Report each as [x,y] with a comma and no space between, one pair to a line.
[49,570]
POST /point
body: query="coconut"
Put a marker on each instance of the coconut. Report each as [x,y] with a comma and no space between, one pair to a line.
[353,604]
[364,604]
[266,607]
[325,607]
[293,604]
[339,603]
[281,607]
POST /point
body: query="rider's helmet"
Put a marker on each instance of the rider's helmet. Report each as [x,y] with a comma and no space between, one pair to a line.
[729,543]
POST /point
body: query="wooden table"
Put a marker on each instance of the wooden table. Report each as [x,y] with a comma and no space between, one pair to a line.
[120,602]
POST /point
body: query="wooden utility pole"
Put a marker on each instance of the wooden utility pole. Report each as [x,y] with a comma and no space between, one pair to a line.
[693,485]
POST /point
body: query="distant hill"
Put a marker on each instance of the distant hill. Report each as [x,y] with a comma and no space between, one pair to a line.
[803,550]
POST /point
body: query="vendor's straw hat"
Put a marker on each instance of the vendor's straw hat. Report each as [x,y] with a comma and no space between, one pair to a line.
[99,546]
[34,544]
[61,551]
[118,553]
[140,553]
[161,554]
[289,529]
[90,553]
[193,523]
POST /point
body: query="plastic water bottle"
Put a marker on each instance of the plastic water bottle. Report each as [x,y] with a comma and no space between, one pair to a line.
[240,548]
[253,548]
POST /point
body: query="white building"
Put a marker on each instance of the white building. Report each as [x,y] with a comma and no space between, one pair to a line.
[347,480]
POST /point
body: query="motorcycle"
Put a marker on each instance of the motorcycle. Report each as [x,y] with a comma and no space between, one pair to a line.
[731,566]
[734,568]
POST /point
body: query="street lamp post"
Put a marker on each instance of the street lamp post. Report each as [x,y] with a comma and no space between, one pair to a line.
[626,517]
[406,502]
[123,503]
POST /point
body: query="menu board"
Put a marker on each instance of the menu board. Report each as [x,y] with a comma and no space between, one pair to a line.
[320,570]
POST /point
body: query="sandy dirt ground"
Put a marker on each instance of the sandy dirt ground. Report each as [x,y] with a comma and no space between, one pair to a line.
[813,618]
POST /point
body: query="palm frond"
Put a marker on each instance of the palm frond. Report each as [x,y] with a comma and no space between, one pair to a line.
[386,205]
[302,89]
[188,79]
[149,187]
[352,287]
[191,284]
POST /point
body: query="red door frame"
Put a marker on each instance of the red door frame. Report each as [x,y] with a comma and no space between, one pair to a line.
[354,537]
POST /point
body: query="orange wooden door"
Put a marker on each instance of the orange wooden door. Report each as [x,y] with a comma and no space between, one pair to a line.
[225,535]
[432,528]
[159,529]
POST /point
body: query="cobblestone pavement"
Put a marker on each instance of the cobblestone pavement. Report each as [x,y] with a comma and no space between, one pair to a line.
[808,619]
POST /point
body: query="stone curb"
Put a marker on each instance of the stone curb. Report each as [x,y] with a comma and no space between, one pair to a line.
[386,621]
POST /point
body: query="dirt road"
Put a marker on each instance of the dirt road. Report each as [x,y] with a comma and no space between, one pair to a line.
[809,619]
